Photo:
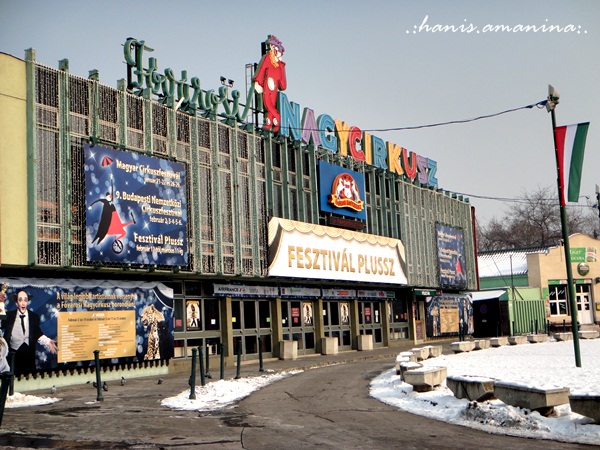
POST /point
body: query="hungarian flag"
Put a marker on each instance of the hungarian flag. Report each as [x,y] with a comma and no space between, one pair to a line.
[570,147]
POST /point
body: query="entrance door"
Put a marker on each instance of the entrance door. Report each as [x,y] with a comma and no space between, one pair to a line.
[336,322]
[369,320]
[251,327]
[299,324]
[585,311]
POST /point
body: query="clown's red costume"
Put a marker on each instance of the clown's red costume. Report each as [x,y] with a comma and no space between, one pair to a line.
[269,79]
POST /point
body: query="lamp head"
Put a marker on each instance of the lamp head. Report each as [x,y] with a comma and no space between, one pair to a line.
[553,98]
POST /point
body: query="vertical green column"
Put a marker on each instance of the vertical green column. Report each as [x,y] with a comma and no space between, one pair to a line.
[236,198]
[314,186]
[147,108]
[65,161]
[269,172]
[285,182]
[217,206]
[195,200]
[122,113]
[256,261]
[31,156]
[94,114]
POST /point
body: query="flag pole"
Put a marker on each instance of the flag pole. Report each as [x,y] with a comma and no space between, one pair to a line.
[551,103]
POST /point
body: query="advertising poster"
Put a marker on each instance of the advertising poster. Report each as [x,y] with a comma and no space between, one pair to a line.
[342,191]
[307,309]
[193,314]
[135,208]
[67,320]
[451,256]
[448,315]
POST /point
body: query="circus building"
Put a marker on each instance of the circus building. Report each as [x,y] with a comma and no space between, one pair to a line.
[147,220]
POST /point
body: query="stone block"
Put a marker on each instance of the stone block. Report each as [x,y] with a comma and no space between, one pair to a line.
[541,400]
[463,346]
[472,388]
[588,334]
[536,338]
[586,405]
[365,342]
[499,341]
[434,350]
[329,346]
[421,353]
[406,366]
[426,378]
[517,340]
[410,355]
[563,336]
[288,350]
[481,344]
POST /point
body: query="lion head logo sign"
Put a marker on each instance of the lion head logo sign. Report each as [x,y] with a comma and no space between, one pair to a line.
[269,80]
[345,194]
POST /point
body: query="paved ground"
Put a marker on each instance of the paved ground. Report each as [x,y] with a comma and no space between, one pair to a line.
[327,408]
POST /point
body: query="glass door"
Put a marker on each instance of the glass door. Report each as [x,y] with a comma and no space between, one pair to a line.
[251,323]
[298,324]
[336,322]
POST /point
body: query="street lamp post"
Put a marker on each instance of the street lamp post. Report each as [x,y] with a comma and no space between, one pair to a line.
[553,98]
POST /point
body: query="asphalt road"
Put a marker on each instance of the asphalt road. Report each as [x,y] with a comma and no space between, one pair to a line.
[327,408]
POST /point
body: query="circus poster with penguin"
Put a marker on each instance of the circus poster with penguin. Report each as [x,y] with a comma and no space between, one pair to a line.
[126,321]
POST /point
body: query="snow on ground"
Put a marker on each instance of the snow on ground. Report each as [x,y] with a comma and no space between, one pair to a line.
[543,365]
[19,400]
[221,393]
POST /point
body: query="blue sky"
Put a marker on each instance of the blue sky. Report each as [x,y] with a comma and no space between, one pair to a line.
[366,63]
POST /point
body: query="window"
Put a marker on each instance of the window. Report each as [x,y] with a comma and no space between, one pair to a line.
[558,300]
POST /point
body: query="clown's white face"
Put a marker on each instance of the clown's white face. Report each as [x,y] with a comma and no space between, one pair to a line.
[277,54]
[22,302]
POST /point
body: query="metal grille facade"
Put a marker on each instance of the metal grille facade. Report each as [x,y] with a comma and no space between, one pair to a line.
[236,181]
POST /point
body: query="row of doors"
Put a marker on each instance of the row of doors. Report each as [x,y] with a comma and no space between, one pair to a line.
[252,323]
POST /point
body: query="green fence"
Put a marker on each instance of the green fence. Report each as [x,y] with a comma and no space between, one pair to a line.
[527,316]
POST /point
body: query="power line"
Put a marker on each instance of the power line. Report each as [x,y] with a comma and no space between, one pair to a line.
[539,104]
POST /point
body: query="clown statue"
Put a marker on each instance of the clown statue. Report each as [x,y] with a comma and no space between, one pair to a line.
[269,79]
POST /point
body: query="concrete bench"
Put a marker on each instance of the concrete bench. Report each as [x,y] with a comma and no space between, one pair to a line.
[421,353]
[586,405]
[462,346]
[481,344]
[499,341]
[537,338]
[405,366]
[588,334]
[434,350]
[517,340]
[541,400]
[410,355]
[426,378]
[563,336]
[472,388]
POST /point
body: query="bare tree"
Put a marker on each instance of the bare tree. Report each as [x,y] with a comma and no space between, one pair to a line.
[534,220]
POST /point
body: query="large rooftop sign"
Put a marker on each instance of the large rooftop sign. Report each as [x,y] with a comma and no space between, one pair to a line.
[281,116]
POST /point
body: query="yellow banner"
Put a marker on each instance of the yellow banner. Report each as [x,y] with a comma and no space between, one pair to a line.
[82,332]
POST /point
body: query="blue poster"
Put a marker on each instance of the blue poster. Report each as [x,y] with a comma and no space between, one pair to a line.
[342,191]
[67,320]
[451,256]
[135,208]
